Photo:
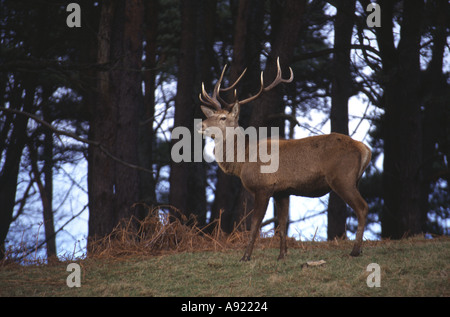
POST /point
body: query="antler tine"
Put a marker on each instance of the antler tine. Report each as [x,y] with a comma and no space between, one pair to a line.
[217,90]
[228,106]
[209,101]
[279,79]
[255,96]
[212,100]
[219,82]
[235,83]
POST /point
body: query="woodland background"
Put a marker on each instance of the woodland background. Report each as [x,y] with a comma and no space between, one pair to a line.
[109,92]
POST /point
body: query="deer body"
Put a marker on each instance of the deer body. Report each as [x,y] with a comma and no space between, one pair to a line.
[309,167]
[299,158]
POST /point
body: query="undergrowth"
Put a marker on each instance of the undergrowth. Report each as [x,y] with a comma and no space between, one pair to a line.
[163,255]
[162,233]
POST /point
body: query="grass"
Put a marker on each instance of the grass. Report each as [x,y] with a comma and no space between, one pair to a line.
[409,267]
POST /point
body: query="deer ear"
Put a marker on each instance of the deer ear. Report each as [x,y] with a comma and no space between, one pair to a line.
[235,110]
[207,111]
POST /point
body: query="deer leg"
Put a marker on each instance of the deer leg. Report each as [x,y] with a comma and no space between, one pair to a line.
[361,213]
[261,201]
[352,197]
[282,205]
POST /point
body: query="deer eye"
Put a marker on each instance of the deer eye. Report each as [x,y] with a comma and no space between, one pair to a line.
[223,118]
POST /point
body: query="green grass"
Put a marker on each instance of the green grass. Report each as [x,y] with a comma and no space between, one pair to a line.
[411,267]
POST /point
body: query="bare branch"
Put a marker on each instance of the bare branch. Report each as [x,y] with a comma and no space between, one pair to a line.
[75,137]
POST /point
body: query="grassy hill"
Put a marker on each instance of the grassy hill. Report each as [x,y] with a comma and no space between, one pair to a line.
[410,267]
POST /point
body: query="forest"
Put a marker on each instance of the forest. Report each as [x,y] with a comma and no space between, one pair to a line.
[89,95]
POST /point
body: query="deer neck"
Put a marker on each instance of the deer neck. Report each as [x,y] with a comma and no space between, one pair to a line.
[230,153]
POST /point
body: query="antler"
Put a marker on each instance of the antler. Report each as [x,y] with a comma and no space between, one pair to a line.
[278,79]
[212,101]
[215,103]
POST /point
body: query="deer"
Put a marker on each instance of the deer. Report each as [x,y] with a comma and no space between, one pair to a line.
[309,167]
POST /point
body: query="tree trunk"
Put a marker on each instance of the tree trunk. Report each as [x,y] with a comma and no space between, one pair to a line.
[179,172]
[12,157]
[284,42]
[46,199]
[47,170]
[147,193]
[435,118]
[113,186]
[341,91]
[187,179]
[102,129]
[402,174]
[127,85]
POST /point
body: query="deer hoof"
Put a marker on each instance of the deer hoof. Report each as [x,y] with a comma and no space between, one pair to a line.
[245,258]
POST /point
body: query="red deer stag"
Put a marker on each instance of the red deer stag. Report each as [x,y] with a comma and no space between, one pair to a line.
[309,167]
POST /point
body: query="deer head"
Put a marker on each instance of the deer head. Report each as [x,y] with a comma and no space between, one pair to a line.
[218,117]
